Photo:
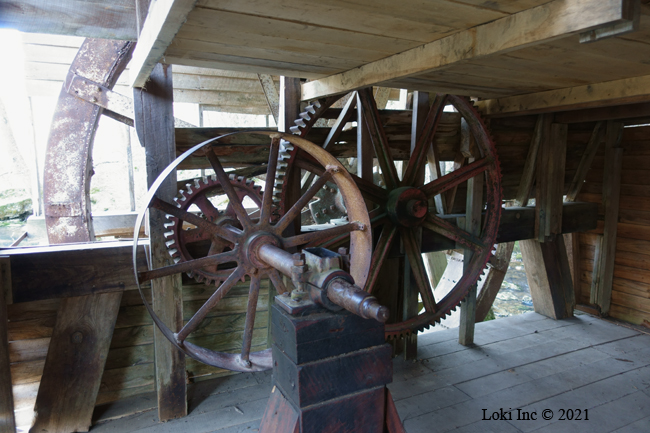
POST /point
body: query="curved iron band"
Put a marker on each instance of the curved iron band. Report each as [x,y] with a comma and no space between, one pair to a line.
[68,158]
[360,241]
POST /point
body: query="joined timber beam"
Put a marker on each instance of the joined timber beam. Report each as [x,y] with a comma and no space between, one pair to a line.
[164,20]
[537,25]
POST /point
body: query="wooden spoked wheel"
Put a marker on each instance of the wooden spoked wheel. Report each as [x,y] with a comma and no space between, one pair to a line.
[403,209]
[236,238]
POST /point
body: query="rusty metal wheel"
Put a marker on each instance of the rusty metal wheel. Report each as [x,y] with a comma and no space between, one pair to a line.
[248,246]
[402,207]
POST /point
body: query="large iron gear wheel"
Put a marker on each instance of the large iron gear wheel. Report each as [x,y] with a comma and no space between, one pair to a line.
[392,218]
[248,239]
[192,243]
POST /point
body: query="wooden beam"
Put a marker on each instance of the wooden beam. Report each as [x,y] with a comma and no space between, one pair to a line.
[585,162]
[271,94]
[609,93]
[549,277]
[628,112]
[154,122]
[7,419]
[542,127]
[550,182]
[533,26]
[604,269]
[105,20]
[71,270]
[473,219]
[518,223]
[497,268]
[164,20]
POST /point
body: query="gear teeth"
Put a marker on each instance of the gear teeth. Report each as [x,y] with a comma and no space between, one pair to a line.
[177,259]
[170,243]
[170,224]
[173,252]
[168,234]
[295,130]
[300,122]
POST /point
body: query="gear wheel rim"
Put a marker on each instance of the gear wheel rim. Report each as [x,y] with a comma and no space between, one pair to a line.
[194,190]
[452,300]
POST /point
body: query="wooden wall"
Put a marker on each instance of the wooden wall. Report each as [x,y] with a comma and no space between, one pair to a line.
[129,367]
[631,287]
[631,283]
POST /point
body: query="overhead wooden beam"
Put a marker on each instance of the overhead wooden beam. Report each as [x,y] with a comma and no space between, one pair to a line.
[105,20]
[164,20]
[533,26]
[609,93]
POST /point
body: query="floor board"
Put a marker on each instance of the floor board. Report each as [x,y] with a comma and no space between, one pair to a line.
[525,363]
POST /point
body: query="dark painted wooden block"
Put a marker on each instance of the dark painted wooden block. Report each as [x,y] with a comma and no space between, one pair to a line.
[321,335]
[356,413]
[315,382]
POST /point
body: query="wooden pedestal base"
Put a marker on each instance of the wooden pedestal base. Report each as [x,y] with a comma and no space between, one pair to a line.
[330,372]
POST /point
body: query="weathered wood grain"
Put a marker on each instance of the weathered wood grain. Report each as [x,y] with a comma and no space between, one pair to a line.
[7,420]
[154,116]
[74,365]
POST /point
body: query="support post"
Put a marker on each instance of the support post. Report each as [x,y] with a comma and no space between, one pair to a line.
[473,225]
[154,121]
[549,277]
[550,182]
[289,112]
[493,280]
[7,419]
[604,268]
[528,176]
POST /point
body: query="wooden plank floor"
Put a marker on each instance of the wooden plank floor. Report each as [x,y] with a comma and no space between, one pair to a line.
[525,362]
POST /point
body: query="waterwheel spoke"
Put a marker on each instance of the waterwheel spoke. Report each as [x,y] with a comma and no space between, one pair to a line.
[276,280]
[253,294]
[295,210]
[376,219]
[322,235]
[188,266]
[198,317]
[233,197]
[455,178]
[267,198]
[194,235]
[419,155]
[380,253]
[206,207]
[370,191]
[378,138]
[227,232]
[450,231]
[414,255]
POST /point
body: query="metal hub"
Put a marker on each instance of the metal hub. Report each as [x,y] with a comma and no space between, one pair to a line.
[407,206]
[252,246]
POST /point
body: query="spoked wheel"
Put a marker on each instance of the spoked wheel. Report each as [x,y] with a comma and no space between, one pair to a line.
[214,238]
[402,208]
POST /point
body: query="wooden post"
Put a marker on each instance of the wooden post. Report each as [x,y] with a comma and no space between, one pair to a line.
[528,176]
[7,420]
[550,182]
[493,280]
[604,268]
[289,112]
[154,121]
[411,295]
[549,277]
[473,210]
